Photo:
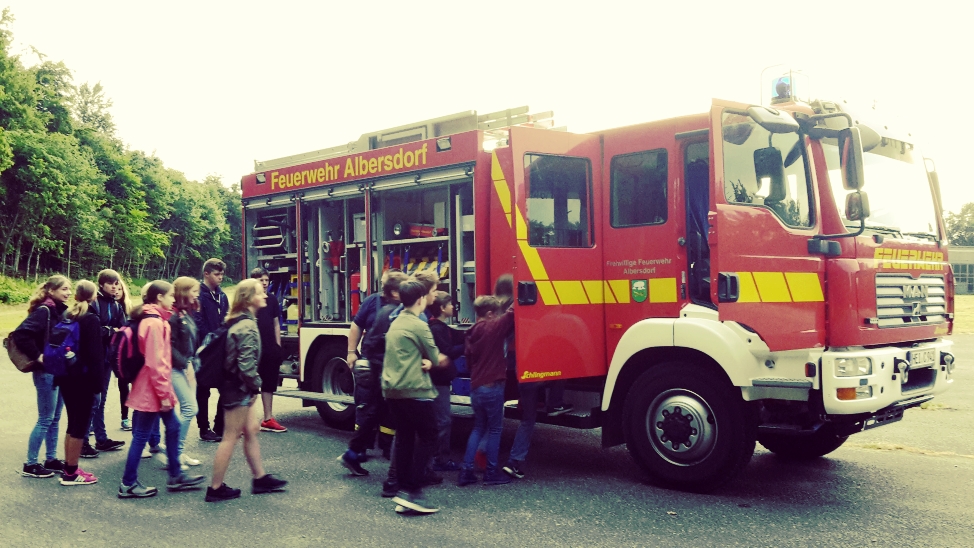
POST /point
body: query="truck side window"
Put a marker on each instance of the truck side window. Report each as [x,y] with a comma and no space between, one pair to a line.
[765,169]
[639,189]
[558,201]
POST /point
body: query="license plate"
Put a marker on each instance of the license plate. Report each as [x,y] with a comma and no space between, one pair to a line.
[922,358]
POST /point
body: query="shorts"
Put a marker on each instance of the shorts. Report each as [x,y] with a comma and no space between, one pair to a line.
[229,405]
[270,375]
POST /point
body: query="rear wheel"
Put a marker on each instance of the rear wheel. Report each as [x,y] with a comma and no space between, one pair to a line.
[333,377]
[687,428]
[808,447]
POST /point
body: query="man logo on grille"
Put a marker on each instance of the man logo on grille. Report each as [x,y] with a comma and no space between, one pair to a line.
[917,308]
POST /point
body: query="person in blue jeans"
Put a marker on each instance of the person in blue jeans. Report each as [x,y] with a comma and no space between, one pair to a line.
[43,312]
[484,351]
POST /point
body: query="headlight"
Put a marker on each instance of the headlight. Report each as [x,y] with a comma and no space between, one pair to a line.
[853,367]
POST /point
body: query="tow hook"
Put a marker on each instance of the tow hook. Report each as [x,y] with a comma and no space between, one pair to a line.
[903,368]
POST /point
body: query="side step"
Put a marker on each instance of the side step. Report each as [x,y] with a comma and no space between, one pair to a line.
[316,396]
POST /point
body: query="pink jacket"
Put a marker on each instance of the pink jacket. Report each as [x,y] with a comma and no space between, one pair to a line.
[152,389]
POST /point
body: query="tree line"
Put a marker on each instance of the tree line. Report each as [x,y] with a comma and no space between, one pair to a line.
[75,198]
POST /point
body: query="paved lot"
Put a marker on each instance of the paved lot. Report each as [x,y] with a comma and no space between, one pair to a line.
[908,484]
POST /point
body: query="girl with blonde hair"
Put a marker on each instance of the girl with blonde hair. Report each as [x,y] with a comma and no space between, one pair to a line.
[123,387]
[81,382]
[43,312]
[241,385]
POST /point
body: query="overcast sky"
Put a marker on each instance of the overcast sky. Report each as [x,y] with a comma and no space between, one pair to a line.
[211,86]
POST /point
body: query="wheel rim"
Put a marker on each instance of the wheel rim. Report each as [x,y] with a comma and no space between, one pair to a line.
[337,380]
[681,426]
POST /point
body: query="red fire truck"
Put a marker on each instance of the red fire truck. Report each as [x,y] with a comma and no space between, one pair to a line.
[701,282]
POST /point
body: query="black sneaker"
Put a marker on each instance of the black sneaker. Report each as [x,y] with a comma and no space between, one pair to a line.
[560,410]
[183,482]
[390,489]
[515,469]
[109,445]
[349,460]
[209,435]
[224,492]
[267,484]
[496,477]
[414,501]
[36,471]
[466,477]
[54,465]
[88,452]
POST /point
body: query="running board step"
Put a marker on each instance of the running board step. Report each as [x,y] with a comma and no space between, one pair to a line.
[316,396]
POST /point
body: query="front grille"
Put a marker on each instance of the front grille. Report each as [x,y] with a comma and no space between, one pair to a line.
[902,300]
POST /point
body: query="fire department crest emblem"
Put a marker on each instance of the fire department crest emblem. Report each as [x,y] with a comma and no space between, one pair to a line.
[640,290]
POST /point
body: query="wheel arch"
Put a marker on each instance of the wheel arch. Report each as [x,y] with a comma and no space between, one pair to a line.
[318,342]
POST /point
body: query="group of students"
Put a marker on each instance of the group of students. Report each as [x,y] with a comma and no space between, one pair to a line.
[170,325]
[412,357]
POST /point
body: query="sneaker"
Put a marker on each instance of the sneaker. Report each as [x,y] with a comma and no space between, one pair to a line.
[54,465]
[271,425]
[414,501]
[187,460]
[390,489]
[184,482]
[109,445]
[448,466]
[267,484]
[80,477]
[209,435]
[466,477]
[349,460]
[560,410]
[136,491]
[36,471]
[88,452]
[161,448]
[146,454]
[400,509]
[496,477]
[224,492]
[126,425]
[514,469]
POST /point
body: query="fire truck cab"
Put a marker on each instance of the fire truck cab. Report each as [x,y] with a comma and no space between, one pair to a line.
[700,283]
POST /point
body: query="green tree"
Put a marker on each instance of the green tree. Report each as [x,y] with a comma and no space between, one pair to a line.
[960,226]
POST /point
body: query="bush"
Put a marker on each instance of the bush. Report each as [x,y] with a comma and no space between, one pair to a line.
[14,291]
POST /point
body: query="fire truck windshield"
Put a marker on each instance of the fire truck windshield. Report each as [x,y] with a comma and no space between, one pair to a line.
[900,199]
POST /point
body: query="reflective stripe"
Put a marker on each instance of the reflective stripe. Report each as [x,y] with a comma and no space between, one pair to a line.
[500,186]
[621,290]
[780,287]
[662,290]
[772,287]
[594,289]
[387,430]
[805,287]
[749,291]
[570,292]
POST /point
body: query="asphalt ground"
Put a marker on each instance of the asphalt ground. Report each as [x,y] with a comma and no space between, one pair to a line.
[905,484]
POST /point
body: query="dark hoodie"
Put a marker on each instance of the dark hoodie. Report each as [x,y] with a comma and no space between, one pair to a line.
[110,316]
[31,335]
[443,335]
[485,349]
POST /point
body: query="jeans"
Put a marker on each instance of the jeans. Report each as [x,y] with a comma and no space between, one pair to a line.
[49,405]
[143,423]
[186,395]
[444,422]
[98,410]
[488,421]
[527,403]
[415,439]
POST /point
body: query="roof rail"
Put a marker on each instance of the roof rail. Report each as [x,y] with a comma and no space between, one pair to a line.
[426,129]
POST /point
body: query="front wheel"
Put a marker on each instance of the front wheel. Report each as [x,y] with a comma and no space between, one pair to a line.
[333,377]
[687,428]
[808,447]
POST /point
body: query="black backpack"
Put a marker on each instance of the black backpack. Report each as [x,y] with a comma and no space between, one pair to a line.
[212,355]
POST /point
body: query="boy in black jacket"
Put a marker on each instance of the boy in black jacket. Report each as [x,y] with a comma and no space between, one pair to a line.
[111,317]
[213,309]
[438,313]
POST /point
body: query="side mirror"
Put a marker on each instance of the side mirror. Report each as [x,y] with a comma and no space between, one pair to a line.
[857,206]
[769,168]
[850,158]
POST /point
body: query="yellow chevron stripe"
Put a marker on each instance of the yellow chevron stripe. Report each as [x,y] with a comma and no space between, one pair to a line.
[522,226]
[531,257]
[749,291]
[500,186]
[805,287]
[772,287]
[547,292]
[607,293]
[662,290]
[570,292]
[594,289]
[621,290]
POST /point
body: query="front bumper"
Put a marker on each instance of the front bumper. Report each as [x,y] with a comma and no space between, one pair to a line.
[888,389]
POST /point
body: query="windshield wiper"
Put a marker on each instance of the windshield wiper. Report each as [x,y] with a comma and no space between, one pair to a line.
[923,235]
[886,229]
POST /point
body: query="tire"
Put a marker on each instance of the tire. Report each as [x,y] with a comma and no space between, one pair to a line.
[661,420]
[809,447]
[332,376]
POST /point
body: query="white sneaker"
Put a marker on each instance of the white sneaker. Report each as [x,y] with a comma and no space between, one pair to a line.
[163,460]
[146,453]
[188,460]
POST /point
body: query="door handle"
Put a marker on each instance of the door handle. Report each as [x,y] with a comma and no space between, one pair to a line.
[527,293]
[728,287]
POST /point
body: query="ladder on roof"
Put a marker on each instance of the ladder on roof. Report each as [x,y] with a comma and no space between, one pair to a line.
[495,124]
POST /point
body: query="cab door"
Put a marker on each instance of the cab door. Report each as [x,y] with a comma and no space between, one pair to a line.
[560,330]
[766,203]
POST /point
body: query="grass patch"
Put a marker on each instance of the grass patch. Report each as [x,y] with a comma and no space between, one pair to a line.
[15,291]
[935,406]
[882,446]
[964,314]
